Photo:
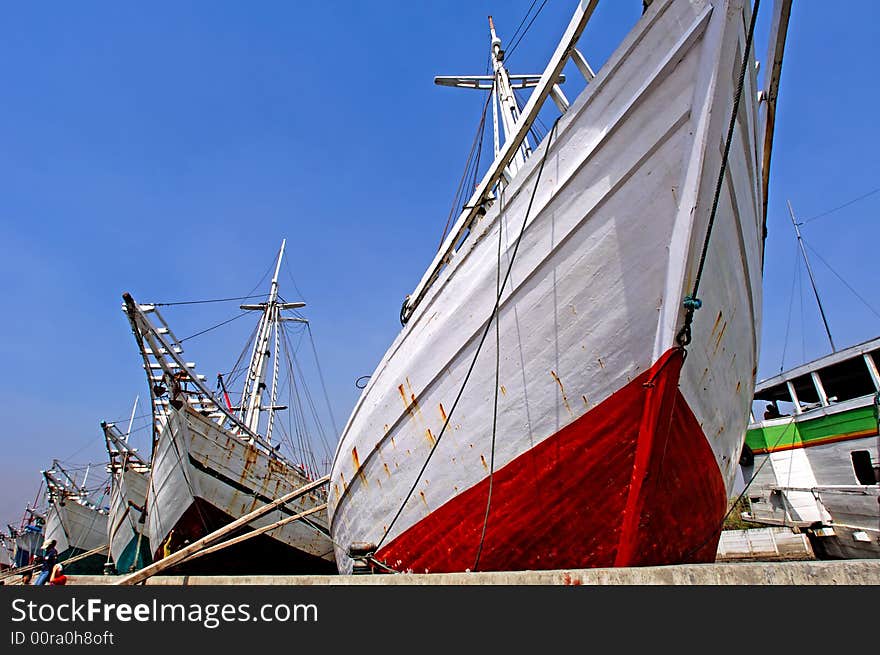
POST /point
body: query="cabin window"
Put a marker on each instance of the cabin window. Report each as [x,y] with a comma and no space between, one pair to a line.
[806,392]
[847,380]
[866,471]
[777,396]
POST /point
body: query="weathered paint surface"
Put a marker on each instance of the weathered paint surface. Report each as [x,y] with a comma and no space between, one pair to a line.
[578,486]
[129,547]
[197,465]
[76,529]
[594,300]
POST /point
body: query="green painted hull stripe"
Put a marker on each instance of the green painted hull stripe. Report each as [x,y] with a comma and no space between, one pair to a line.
[851,424]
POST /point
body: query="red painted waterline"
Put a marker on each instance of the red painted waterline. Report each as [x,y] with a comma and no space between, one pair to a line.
[633,482]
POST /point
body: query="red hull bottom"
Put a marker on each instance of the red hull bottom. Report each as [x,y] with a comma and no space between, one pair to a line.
[633,482]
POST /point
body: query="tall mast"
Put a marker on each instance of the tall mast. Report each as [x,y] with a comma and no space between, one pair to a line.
[500,84]
[131,419]
[256,377]
[797,231]
[545,85]
[503,91]
[255,382]
[85,477]
[270,424]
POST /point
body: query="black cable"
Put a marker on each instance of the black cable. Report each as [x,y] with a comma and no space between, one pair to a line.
[213,327]
[846,284]
[846,204]
[794,278]
[495,401]
[518,27]
[482,132]
[510,50]
[456,200]
[803,319]
[480,344]
[201,302]
[321,377]
[691,302]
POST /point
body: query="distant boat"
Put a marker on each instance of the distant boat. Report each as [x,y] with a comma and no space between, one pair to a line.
[572,383]
[75,521]
[213,462]
[817,466]
[126,524]
[7,551]
[28,536]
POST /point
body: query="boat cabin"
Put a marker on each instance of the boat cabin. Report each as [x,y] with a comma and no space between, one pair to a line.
[846,375]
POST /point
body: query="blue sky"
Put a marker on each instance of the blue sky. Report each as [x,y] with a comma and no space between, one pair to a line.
[166,149]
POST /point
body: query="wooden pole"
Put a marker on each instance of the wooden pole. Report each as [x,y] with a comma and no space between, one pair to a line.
[184,553]
[257,532]
[11,573]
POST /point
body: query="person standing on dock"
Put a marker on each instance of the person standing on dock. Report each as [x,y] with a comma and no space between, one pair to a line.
[49,559]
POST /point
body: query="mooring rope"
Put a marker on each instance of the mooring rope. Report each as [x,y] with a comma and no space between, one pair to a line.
[482,338]
[692,302]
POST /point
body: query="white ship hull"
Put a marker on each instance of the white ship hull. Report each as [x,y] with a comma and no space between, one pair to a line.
[609,450]
[77,529]
[126,525]
[813,486]
[204,478]
[5,555]
[27,543]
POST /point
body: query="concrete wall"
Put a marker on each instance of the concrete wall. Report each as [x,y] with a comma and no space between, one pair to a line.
[843,572]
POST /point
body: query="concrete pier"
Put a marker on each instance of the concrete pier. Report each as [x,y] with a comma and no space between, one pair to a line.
[842,572]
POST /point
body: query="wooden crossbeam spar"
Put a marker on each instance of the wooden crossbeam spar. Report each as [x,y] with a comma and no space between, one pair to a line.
[184,553]
[258,532]
[487,82]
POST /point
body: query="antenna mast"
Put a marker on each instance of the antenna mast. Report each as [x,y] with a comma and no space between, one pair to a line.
[800,239]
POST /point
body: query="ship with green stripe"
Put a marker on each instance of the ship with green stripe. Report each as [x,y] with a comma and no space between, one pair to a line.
[812,462]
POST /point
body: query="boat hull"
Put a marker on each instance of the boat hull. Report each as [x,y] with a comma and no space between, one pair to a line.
[77,529]
[126,524]
[583,468]
[803,474]
[589,463]
[27,543]
[203,478]
[6,555]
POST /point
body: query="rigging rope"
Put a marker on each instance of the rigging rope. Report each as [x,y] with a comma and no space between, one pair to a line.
[321,377]
[202,302]
[519,27]
[456,200]
[794,278]
[692,301]
[846,284]
[482,338]
[495,401]
[525,31]
[213,327]
[846,204]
